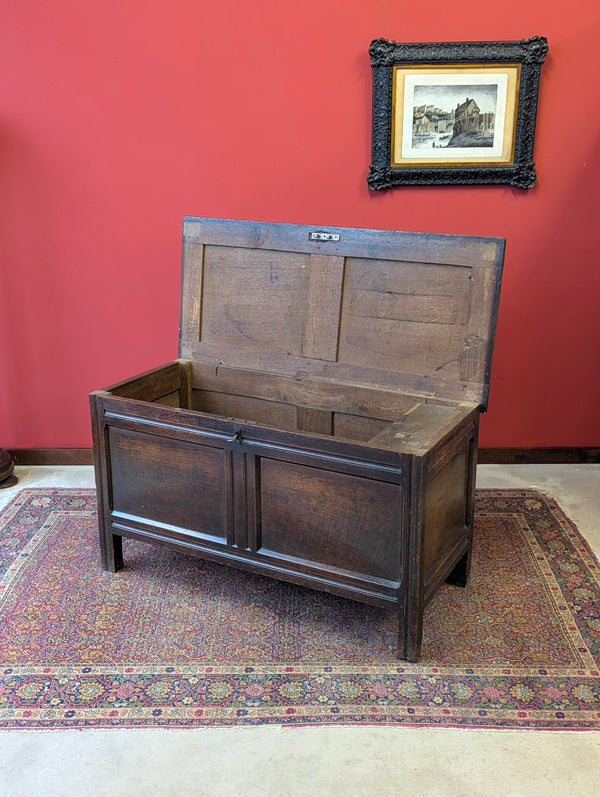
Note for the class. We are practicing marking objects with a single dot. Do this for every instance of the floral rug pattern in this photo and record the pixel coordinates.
(172, 640)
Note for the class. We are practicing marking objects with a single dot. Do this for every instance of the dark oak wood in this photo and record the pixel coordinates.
(321, 423)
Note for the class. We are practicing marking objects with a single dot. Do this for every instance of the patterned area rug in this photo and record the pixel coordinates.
(175, 641)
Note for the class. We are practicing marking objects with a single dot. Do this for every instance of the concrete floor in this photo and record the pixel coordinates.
(324, 762)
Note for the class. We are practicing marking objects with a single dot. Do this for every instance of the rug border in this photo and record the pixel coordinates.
(290, 717)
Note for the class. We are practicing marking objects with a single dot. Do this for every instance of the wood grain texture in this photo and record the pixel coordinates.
(192, 278)
(399, 310)
(304, 391)
(322, 322)
(298, 504)
(151, 385)
(354, 242)
(254, 299)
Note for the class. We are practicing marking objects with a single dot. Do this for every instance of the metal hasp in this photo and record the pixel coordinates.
(323, 236)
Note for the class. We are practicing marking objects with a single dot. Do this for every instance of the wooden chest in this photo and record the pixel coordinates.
(321, 423)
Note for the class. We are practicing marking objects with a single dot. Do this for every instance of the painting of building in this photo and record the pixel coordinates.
(454, 116)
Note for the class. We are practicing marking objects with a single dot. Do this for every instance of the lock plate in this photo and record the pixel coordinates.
(323, 236)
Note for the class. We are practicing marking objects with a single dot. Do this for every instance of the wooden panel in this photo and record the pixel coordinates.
(420, 283)
(185, 392)
(241, 520)
(342, 374)
(372, 343)
(404, 317)
(255, 299)
(168, 384)
(446, 511)
(408, 317)
(386, 304)
(302, 391)
(168, 481)
(354, 427)
(422, 428)
(353, 242)
(314, 421)
(170, 400)
(151, 385)
(191, 292)
(479, 332)
(331, 518)
(246, 408)
(323, 314)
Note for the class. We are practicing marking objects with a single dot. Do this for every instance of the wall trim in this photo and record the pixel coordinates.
(52, 456)
(538, 456)
(486, 456)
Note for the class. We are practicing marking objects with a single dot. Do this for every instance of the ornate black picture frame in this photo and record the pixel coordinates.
(454, 112)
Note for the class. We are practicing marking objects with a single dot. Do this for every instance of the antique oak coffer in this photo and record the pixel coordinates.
(321, 423)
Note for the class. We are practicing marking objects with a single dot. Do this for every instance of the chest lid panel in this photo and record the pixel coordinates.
(409, 311)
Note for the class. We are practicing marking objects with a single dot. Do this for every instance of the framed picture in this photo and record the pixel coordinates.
(454, 112)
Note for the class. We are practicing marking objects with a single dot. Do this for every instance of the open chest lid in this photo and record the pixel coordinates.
(414, 312)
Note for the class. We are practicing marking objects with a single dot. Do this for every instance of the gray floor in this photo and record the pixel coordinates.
(274, 762)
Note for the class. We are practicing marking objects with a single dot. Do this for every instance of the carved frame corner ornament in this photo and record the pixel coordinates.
(415, 141)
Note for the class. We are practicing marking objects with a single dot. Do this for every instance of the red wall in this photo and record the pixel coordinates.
(118, 118)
